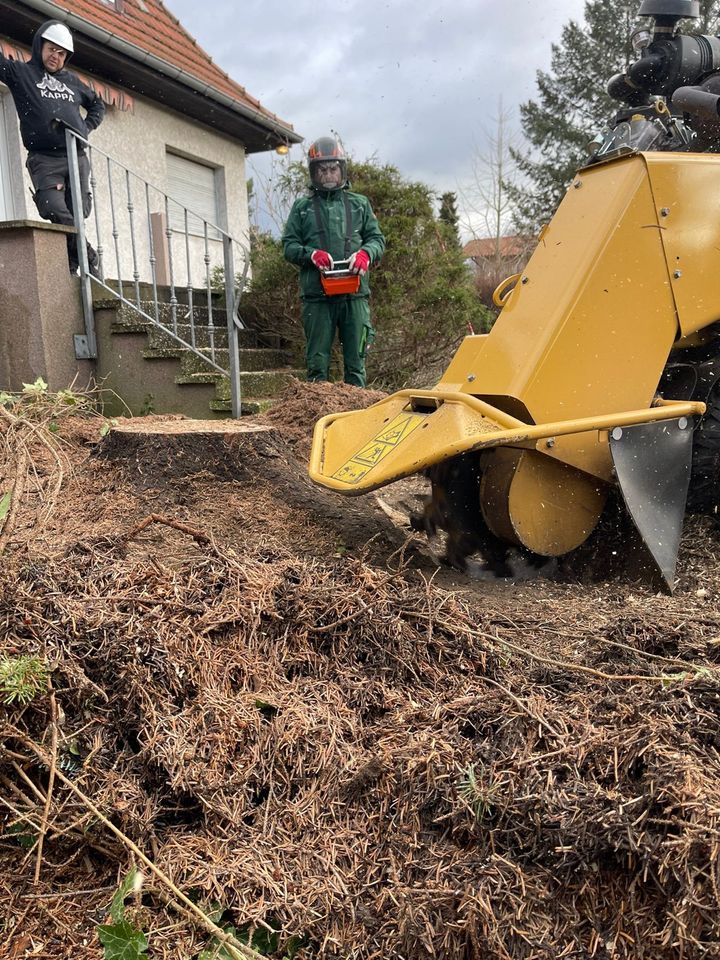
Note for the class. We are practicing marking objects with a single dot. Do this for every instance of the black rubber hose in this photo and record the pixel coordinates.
(698, 102)
(621, 88)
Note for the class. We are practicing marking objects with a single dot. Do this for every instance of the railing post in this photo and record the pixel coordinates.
(231, 306)
(85, 345)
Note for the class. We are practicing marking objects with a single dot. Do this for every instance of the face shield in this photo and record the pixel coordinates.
(327, 164)
(327, 174)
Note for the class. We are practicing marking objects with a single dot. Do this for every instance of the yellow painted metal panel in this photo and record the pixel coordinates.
(580, 344)
(365, 449)
(592, 325)
(687, 195)
(389, 440)
(546, 506)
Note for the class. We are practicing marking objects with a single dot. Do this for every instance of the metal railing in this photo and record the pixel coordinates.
(138, 216)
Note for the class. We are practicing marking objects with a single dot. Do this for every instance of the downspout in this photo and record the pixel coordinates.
(55, 12)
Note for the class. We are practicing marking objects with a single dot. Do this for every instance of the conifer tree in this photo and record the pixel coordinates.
(572, 103)
(448, 215)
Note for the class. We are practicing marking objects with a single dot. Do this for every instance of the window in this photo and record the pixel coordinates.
(194, 186)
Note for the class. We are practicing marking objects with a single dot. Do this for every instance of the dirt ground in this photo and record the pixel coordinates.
(333, 744)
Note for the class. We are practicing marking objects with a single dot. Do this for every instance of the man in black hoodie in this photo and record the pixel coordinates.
(47, 99)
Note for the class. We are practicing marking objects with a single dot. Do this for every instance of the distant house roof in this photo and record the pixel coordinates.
(507, 247)
(141, 45)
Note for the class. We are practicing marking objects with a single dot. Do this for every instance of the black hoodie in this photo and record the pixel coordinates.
(41, 98)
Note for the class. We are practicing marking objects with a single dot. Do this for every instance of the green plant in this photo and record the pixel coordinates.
(266, 942)
(71, 399)
(22, 835)
(37, 389)
(107, 426)
(120, 939)
(148, 406)
(5, 502)
(21, 679)
(38, 404)
(477, 796)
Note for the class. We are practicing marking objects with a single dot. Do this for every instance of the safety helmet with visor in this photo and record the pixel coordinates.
(327, 164)
(59, 34)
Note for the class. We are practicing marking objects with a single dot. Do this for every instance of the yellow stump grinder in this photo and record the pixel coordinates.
(602, 369)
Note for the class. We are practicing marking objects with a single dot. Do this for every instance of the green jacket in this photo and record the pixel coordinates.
(301, 236)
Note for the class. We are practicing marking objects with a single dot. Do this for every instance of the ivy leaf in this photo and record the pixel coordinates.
(26, 840)
(117, 904)
(123, 942)
(35, 389)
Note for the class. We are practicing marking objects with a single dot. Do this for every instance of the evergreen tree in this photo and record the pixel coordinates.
(448, 215)
(572, 104)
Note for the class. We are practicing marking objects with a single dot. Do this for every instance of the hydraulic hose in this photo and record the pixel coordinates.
(698, 102)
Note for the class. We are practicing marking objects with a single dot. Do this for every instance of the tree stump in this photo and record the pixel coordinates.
(159, 451)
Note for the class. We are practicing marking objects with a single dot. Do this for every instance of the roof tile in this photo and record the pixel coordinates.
(150, 26)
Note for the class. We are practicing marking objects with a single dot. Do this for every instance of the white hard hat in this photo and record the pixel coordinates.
(59, 34)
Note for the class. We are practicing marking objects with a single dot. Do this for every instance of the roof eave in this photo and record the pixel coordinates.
(255, 129)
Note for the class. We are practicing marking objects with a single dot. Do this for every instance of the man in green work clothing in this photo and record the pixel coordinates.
(333, 224)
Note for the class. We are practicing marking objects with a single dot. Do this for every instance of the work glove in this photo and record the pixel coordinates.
(322, 260)
(360, 262)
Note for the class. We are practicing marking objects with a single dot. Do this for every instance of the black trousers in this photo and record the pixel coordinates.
(50, 177)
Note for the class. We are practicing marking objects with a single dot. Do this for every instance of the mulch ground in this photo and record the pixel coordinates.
(275, 702)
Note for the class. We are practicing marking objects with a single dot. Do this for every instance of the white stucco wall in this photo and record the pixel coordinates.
(140, 141)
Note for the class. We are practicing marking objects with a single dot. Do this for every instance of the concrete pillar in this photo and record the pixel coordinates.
(40, 308)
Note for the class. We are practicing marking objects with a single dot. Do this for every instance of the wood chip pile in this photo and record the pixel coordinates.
(373, 763)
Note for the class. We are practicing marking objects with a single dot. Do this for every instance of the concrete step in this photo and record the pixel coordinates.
(248, 407)
(127, 316)
(204, 336)
(253, 385)
(158, 374)
(164, 294)
(253, 360)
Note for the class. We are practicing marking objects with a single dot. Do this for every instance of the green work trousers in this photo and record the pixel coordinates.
(350, 316)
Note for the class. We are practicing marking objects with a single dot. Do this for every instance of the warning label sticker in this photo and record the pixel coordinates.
(378, 448)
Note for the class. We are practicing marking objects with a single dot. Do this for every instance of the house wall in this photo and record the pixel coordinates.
(140, 141)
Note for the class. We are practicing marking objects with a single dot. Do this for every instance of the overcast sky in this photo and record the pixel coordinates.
(415, 83)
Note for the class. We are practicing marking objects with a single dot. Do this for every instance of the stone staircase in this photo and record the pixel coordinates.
(142, 370)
